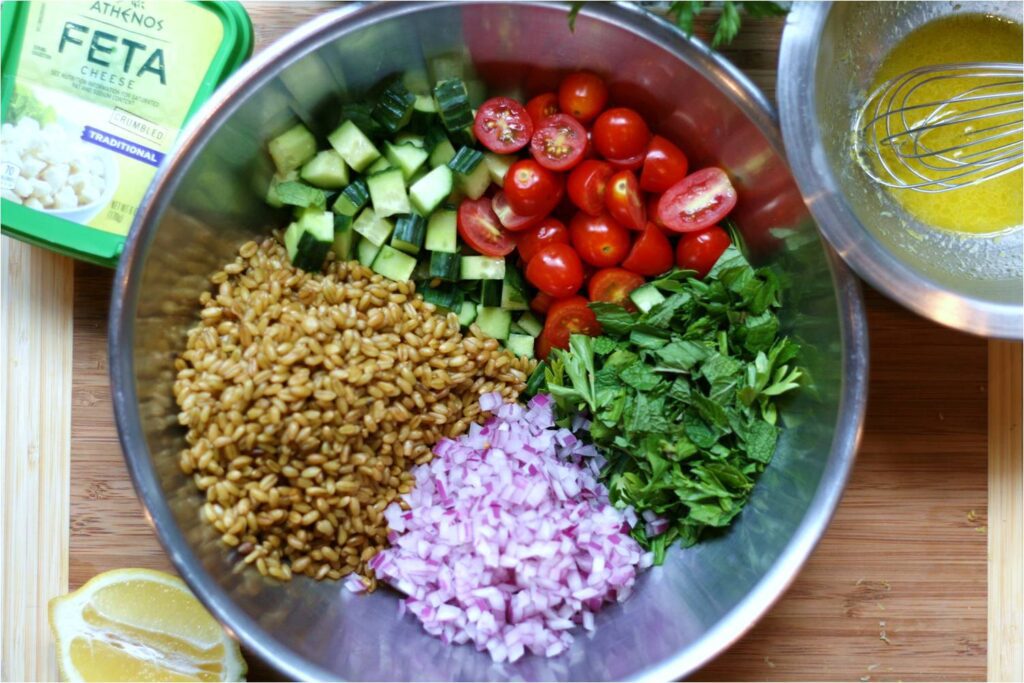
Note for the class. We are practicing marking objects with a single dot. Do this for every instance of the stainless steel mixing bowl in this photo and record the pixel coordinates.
(208, 199)
(829, 55)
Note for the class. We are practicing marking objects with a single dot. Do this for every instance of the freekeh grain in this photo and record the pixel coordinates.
(307, 399)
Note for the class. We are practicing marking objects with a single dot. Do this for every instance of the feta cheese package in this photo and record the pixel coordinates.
(94, 95)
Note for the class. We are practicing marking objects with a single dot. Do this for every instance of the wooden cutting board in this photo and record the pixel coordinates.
(897, 588)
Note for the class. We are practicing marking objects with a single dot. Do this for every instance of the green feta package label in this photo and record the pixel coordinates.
(102, 90)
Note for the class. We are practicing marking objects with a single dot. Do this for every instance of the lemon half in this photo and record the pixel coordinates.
(140, 625)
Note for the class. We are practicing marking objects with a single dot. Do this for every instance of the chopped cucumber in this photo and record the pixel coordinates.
(394, 107)
(408, 235)
(498, 165)
(292, 148)
(465, 160)
(482, 268)
(406, 157)
(490, 292)
(453, 104)
(372, 227)
(381, 164)
(366, 252)
(315, 239)
(393, 264)
(530, 325)
(273, 198)
(425, 104)
(353, 146)
(494, 322)
(344, 237)
(291, 240)
(352, 198)
(520, 344)
(476, 182)
(646, 297)
(442, 232)
(429, 191)
(513, 291)
(446, 297)
(467, 314)
(297, 193)
(443, 153)
(327, 170)
(387, 193)
(444, 266)
(409, 139)
(361, 114)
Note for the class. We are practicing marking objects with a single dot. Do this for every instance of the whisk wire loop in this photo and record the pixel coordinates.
(907, 138)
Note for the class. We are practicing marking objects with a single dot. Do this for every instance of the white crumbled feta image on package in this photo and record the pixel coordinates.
(46, 167)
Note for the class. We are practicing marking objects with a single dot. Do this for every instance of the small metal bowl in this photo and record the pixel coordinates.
(829, 55)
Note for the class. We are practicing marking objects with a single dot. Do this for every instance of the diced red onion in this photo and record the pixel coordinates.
(510, 541)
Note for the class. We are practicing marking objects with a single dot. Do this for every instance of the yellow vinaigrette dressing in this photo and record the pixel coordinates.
(989, 206)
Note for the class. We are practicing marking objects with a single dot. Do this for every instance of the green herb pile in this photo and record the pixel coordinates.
(682, 398)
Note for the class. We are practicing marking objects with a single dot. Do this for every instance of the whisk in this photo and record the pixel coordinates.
(939, 128)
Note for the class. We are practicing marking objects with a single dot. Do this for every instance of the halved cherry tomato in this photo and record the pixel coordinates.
(652, 209)
(530, 188)
(624, 201)
(664, 166)
(541, 303)
(548, 231)
(651, 253)
(556, 270)
(541, 107)
(566, 317)
(613, 286)
(502, 125)
(587, 183)
(508, 217)
(621, 134)
(700, 251)
(582, 95)
(699, 200)
(480, 229)
(631, 164)
(559, 142)
(599, 240)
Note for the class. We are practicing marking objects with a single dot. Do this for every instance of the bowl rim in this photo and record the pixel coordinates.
(256, 73)
(801, 131)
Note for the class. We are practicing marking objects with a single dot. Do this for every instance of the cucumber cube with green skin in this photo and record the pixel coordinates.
(430, 190)
(646, 297)
(482, 268)
(292, 148)
(442, 232)
(498, 165)
(354, 147)
(494, 322)
(467, 314)
(273, 199)
(373, 228)
(393, 264)
(387, 192)
(366, 252)
(327, 170)
(520, 345)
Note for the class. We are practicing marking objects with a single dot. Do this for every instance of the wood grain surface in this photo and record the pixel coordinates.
(34, 466)
(895, 591)
(1006, 513)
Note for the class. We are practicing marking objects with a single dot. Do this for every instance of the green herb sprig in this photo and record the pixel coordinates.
(684, 12)
(683, 398)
